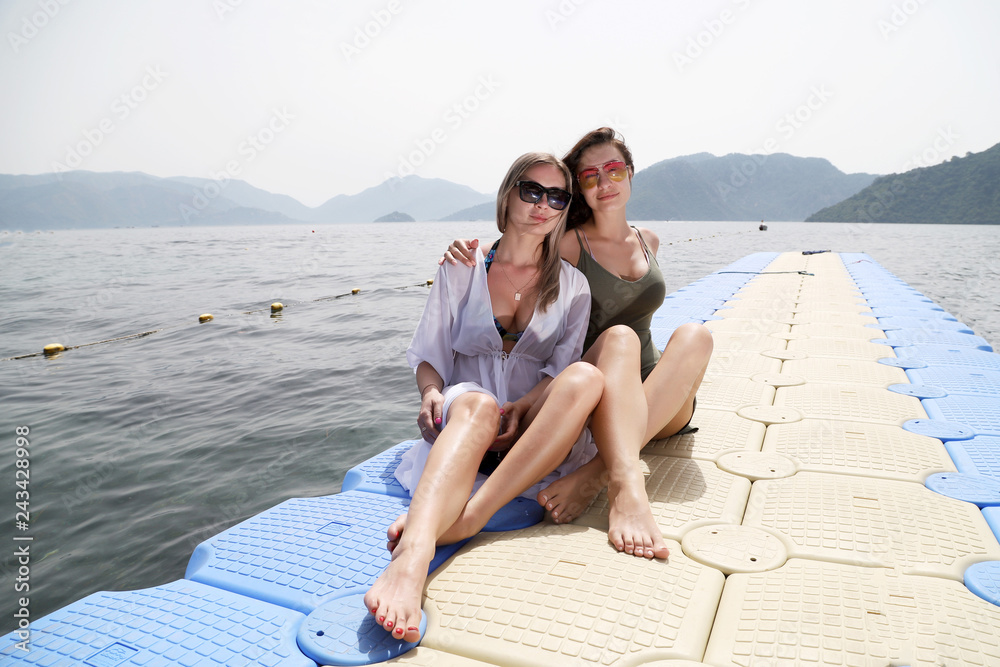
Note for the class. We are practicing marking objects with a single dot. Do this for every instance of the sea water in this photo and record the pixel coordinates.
(143, 446)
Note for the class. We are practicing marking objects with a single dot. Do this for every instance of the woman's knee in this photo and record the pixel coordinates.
(475, 407)
(619, 339)
(693, 338)
(583, 380)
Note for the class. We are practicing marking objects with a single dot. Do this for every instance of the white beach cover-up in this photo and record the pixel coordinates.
(457, 336)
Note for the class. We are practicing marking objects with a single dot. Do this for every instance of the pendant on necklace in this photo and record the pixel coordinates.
(517, 296)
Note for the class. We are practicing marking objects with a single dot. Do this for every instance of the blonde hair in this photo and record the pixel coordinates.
(548, 282)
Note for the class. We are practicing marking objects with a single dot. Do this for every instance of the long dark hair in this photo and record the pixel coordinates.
(548, 281)
(579, 211)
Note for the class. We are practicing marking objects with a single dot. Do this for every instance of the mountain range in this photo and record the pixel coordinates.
(963, 190)
(702, 186)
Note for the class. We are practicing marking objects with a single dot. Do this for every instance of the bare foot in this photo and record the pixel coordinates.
(395, 532)
(395, 597)
(632, 528)
(567, 497)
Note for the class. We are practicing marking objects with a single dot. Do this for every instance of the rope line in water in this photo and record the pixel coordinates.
(277, 307)
(274, 308)
(770, 273)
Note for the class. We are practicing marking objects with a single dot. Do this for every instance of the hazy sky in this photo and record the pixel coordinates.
(315, 99)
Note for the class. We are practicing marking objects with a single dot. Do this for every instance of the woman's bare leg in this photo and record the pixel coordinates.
(667, 396)
(554, 424)
(675, 380)
(438, 500)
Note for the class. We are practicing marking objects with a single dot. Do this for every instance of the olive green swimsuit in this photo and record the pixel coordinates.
(616, 301)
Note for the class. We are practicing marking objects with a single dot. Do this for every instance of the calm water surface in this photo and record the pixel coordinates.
(144, 447)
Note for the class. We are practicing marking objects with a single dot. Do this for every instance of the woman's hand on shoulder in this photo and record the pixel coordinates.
(461, 250)
(651, 239)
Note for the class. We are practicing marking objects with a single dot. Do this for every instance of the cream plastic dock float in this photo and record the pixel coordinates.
(839, 505)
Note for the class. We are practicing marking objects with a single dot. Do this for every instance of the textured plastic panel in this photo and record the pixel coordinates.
(683, 493)
(746, 313)
(911, 311)
(823, 317)
(748, 342)
(717, 432)
(376, 474)
(741, 364)
(905, 364)
(840, 348)
(983, 579)
(917, 337)
(951, 355)
(824, 614)
(941, 430)
(571, 599)
(980, 413)
(868, 450)
(845, 372)
(749, 326)
(661, 330)
(304, 551)
(872, 522)
(992, 515)
(852, 306)
(978, 456)
(923, 324)
(343, 632)
(917, 390)
(833, 330)
(960, 381)
(782, 302)
(735, 548)
(180, 623)
(429, 657)
(861, 403)
(975, 489)
(730, 393)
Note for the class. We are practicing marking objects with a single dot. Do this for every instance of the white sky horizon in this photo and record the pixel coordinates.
(314, 99)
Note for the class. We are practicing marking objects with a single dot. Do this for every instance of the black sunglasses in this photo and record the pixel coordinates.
(532, 193)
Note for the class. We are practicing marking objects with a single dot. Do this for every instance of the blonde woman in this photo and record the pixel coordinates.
(504, 397)
(648, 393)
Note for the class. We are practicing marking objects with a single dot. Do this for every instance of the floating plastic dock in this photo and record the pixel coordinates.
(839, 505)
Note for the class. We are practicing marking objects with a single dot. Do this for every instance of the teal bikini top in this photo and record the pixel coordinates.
(504, 334)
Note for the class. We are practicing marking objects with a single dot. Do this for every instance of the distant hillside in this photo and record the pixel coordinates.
(485, 211)
(87, 200)
(395, 216)
(739, 187)
(960, 191)
(422, 198)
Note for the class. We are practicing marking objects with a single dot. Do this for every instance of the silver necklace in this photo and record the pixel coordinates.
(517, 290)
